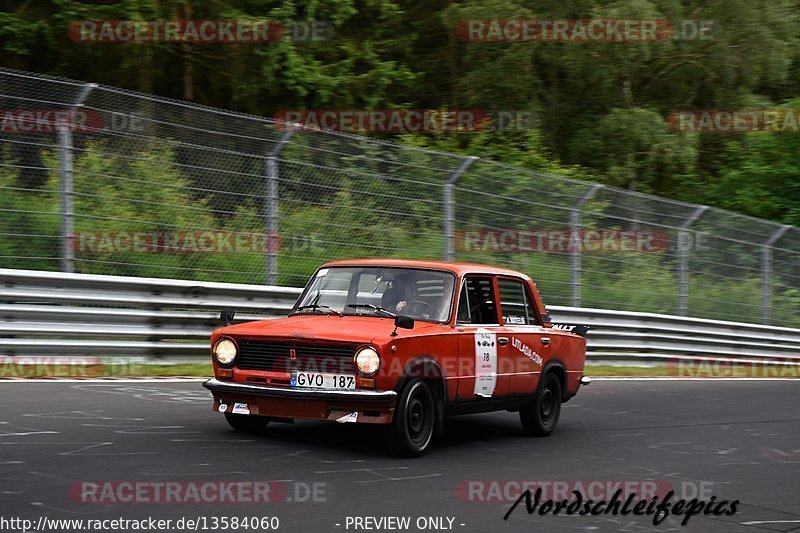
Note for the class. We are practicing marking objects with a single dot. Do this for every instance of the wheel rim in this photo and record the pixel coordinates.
(417, 418)
(548, 404)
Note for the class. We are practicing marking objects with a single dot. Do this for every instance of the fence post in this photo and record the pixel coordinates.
(272, 175)
(65, 169)
(766, 274)
(575, 255)
(449, 208)
(683, 260)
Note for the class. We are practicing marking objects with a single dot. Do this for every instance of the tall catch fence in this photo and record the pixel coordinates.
(100, 180)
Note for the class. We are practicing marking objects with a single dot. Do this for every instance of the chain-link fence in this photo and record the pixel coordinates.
(96, 179)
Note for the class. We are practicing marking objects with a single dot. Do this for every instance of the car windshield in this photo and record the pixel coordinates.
(374, 291)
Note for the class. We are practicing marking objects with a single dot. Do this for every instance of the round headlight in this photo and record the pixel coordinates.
(367, 361)
(225, 351)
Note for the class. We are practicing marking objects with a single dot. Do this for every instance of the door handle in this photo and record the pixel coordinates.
(502, 341)
(545, 340)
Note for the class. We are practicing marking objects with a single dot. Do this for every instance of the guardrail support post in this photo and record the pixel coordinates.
(683, 260)
(766, 274)
(575, 254)
(65, 168)
(272, 175)
(449, 208)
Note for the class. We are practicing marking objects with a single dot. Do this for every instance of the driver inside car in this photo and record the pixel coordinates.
(398, 294)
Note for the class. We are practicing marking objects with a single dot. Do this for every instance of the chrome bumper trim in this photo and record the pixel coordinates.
(585, 380)
(215, 385)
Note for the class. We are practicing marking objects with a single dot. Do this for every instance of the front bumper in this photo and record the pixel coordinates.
(376, 407)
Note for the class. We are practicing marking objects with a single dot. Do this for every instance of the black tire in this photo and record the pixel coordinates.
(411, 431)
(540, 418)
(247, 423)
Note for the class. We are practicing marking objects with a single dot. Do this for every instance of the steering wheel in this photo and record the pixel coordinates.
(430, 307)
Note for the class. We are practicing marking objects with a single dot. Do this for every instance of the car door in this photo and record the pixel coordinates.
(528, 343)
(483, 353)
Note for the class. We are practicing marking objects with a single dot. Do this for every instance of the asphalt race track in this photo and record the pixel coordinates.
(736, 439)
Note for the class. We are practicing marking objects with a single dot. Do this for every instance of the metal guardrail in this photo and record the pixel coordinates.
(625, 335)
(49, 313)
(55, 313)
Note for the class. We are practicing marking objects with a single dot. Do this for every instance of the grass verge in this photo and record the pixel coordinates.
(623, 371)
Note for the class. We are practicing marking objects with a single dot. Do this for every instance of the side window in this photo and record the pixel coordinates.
(515, 303)
(477, 303)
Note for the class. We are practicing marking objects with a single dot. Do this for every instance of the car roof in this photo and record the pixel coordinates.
(458, 268)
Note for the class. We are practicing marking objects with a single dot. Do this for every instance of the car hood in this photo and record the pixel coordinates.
(356, 329)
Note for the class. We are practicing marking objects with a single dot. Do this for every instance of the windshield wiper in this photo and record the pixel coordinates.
(316, 307)
(385, 312)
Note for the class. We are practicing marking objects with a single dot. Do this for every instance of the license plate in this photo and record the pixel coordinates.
(318, 380)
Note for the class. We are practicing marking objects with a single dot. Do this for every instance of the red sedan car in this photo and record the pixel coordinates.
(401, 344)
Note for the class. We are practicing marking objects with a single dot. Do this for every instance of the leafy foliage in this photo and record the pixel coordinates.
(600, 106)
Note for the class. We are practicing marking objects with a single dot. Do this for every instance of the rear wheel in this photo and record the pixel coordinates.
(247, 423)
(540, 418)
(410, 432)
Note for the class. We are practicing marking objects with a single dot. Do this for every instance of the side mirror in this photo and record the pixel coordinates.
(227, 316)
(405, 322)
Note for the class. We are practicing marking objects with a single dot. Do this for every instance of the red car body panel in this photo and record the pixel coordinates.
(444, 353)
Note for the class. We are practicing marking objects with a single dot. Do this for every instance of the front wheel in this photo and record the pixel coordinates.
(540, 418)
(412, 427)
(247, 423)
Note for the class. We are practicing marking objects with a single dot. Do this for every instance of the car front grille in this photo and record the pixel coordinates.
(276, 357)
